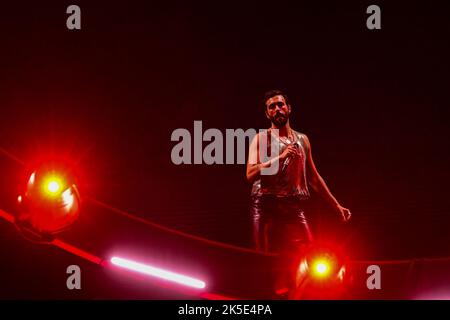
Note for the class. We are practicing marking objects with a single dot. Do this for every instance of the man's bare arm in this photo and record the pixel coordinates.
(254, 165)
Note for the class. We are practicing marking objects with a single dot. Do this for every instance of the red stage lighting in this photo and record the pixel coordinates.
(320, 275)
(51, 201)
(321, 268)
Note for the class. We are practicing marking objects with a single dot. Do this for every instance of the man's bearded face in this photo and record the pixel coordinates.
(278, 111)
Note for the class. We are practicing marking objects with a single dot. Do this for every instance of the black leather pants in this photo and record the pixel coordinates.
(279, 224)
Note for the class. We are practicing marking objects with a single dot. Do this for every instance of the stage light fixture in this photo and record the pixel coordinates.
(50, 202)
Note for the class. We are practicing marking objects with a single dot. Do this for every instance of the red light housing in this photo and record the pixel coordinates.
(320, 274)
(51, 201)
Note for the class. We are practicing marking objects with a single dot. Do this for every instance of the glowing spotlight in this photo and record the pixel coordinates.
(320, 275)
(50, 202)
(53, 186)
(157, 272)
(321, 268)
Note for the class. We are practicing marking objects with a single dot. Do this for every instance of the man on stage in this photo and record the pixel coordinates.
(280, 199)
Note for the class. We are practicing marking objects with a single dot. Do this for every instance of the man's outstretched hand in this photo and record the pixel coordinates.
(345, 213)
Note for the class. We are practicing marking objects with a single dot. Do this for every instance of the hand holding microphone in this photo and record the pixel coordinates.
(290, 152)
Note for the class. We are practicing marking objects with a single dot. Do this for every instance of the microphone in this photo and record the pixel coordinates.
(288, 159)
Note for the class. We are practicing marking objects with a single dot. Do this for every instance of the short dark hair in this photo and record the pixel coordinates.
(272, 93)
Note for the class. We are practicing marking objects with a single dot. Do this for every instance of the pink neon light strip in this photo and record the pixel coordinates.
(157, 272)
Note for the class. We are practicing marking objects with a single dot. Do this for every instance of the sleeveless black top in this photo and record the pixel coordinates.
(291, 181)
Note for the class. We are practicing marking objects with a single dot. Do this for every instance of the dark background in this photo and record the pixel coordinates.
(374, 104)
